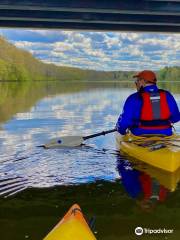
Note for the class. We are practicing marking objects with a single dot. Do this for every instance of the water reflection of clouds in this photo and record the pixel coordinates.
(67, 114)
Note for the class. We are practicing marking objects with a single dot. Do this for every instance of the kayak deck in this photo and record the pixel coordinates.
(73, 226)
(158, 151)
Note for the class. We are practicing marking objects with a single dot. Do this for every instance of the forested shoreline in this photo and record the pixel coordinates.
(20, 65)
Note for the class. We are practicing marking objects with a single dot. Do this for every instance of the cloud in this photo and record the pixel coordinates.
(99, 50)
(112, 41)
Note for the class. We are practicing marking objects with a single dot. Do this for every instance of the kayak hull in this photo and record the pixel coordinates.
(163, 153)
(72, 226)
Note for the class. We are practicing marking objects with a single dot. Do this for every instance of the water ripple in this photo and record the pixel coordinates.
(79, 113)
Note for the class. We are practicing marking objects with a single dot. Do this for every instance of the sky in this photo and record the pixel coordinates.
(107, 51)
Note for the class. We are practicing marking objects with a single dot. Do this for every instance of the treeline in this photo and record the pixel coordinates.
(17, 64)
(169, 74)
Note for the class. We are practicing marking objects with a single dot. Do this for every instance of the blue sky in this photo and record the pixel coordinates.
(107, 51)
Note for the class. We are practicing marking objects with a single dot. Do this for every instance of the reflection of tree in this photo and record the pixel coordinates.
(174, 87)
(19, 97)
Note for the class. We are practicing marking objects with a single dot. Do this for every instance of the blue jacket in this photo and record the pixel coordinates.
(132, 110)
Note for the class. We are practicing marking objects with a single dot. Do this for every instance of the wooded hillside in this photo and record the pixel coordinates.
(18, 64)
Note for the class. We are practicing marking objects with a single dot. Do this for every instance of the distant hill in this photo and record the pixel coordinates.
(18, 64)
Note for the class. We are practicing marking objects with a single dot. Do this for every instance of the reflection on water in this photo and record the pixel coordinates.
(109, 184)
(149, 185)
(76, 110)
(169, 180)
(140, 185)
(85, 112)
(12, 186)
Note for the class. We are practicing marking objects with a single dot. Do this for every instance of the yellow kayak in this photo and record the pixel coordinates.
(159, 151)
(73, 226)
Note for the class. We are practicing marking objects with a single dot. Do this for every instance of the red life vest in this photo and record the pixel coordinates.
(155, 112)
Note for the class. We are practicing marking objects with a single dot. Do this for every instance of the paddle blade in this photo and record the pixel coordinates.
(67, 141)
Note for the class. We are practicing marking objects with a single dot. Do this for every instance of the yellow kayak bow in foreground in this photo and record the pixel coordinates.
(73, 226)
(159, 151)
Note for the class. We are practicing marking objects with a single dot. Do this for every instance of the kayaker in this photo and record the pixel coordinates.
(150, 110)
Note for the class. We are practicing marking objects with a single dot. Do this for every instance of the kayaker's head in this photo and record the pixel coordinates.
(145, 78)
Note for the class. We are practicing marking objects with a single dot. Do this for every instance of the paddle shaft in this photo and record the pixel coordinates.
(99, 134)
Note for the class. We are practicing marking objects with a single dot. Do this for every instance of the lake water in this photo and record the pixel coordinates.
(31, 115)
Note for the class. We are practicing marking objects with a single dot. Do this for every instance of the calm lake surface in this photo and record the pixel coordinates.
(40, 185)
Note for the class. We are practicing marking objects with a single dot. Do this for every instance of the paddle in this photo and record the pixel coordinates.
(73, 141)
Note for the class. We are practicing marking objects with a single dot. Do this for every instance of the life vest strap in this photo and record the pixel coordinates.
(155, 127)
(155, 123)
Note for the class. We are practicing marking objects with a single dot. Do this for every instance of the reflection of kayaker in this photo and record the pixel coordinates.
(152, 189)
(141, 186)
(129, 178)
(150, 110)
